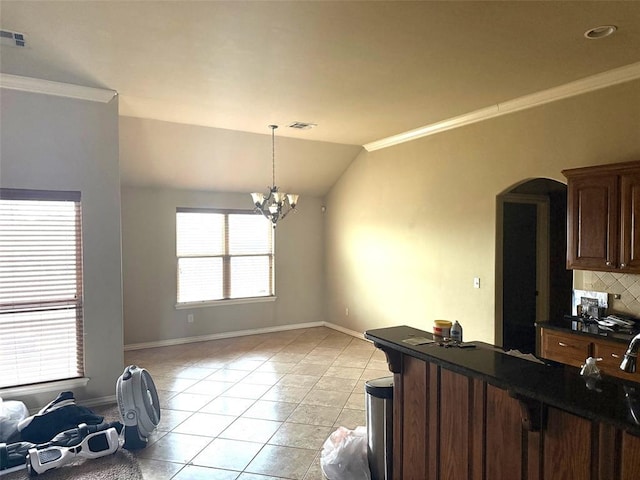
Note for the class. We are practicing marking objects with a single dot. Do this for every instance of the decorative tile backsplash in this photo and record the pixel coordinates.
(623, 284)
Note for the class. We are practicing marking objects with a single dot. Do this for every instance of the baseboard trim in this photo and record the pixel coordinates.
(241, 333)
(346, 331)
(219, 336)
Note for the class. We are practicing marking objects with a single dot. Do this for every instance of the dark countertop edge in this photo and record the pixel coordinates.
(512, 389)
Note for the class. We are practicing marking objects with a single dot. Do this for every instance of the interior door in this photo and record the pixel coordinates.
(520, 276)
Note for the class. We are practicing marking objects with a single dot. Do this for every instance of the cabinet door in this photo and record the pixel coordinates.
(565, 347)
(612, 354)
(593, 223)
(630, 230)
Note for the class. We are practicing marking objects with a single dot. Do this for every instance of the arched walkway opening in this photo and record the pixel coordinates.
(532, 281)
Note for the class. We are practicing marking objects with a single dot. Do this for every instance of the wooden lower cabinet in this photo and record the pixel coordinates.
(566, 348)
(612, 354)
(448, 426)
(574, 348)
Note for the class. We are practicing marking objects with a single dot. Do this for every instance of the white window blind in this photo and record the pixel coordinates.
(40, 287)
(223, 255)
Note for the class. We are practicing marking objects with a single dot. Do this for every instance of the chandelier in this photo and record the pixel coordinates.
(275, 204)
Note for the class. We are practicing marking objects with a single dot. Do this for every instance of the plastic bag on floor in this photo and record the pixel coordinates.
(11, 413)
(344, 455)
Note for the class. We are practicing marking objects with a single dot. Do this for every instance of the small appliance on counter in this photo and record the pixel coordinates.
(589, 314)
(588, 303)
(600, 326)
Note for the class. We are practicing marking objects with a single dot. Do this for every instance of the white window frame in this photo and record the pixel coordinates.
(40, 286)
(226, 257)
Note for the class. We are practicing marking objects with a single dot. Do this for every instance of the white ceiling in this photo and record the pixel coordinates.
(361, 70)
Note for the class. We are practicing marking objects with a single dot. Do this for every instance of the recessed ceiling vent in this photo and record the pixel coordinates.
(600, 32)
(302, 125)
(13, 39)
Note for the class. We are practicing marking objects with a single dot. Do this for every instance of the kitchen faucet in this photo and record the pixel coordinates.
(629, 361)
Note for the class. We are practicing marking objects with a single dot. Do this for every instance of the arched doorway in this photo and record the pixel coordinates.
(532, 282)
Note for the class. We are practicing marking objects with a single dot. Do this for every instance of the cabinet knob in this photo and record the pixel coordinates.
(622, 265)
(562, 344)
(608, 264)
(615, 355)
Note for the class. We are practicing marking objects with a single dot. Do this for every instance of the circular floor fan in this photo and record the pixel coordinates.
(139, 406)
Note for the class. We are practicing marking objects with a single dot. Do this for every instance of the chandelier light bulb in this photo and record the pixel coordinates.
(293, 199)
(258, 198)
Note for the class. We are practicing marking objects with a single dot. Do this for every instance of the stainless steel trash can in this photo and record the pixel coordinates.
(379, 410)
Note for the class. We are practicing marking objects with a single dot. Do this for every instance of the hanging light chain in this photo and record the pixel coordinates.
(273, 153)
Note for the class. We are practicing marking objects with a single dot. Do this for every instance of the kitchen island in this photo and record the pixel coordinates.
(478, 413)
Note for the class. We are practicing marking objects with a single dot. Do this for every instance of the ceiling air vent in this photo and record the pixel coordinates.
(302, 125)
(13, 39)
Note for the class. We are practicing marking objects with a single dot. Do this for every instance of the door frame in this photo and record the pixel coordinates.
(542, 257)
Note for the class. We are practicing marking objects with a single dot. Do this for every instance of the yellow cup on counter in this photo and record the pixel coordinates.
(442, 328)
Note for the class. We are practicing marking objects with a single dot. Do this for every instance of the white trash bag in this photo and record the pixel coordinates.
(11, 413)
(344, 455)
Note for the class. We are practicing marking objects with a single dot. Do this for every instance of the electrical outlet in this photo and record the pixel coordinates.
(346, 312)
(476, 282)
(190, 318)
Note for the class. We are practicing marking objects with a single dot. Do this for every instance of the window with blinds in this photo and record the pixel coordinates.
(40, 287)
(223, 255)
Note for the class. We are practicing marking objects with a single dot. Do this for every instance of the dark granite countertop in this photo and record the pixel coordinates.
(560, 386)
(571, 325)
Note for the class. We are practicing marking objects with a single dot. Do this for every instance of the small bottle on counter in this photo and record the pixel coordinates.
(456, 332)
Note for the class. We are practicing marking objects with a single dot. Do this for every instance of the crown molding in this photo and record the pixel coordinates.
(578, 87)
(58, 89)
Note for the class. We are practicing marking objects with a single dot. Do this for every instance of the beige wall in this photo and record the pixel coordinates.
(53, 143)
(408, 227)
(149, 269)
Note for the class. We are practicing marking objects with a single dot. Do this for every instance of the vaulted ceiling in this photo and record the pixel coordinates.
(360, 70)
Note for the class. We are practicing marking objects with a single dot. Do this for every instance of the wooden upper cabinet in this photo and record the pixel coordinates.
(602, 213)
(630, 216)
(592, 213)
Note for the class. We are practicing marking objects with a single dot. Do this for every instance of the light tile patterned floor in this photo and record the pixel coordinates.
(257, 407)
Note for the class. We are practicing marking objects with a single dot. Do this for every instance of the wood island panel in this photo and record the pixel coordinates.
(455, 420)
(432, 450)
(452, 424)
(414, 427)
(567, 446)
(504, 434)
(630, 457)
